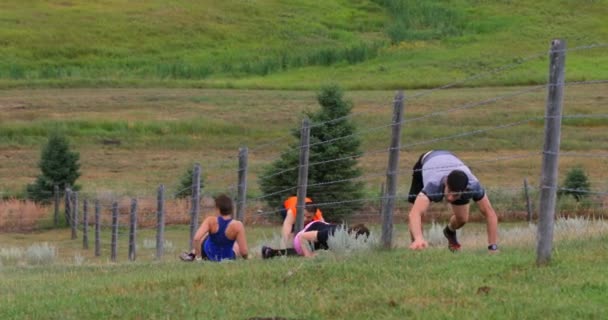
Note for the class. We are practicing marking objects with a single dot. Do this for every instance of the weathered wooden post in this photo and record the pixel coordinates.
(553, 122)
(85, 224)
(114, 244)
(74, 213)
(242, 187)
(392, 173)
(56, 203)
(68, 204)
(133, 230)
(196, 201)
(160, 222)
(528, 203)
(302, 174)
(97, 229)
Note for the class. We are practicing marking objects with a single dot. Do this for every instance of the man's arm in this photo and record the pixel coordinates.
(491, 219)
(415, 221)
(288, 223)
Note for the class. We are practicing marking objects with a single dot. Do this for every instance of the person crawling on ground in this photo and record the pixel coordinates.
(315, 232)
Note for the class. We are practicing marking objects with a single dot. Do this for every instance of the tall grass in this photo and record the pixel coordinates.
(423, 20)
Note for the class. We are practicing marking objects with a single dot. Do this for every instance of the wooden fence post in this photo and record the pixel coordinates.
(242, 186)
(85, 224)
(160, 222)
(74, 213)
(528, 203)
(133, 230)
(68, 204)
(56, 206)
(302, 174)
(114, 244)
(553, 121)
(382, 199)
(97, 229)
(392, 173)
(196, 201)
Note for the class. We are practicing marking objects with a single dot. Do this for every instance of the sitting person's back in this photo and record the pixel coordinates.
(219, 245)
(219, 237)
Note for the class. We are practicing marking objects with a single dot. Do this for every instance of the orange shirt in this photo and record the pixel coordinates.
(292, 202)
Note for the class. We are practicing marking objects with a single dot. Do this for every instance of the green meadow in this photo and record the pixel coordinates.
(363, 44)
(145, 89)
(434, 284)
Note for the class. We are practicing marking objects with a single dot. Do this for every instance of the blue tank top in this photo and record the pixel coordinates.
(218, 247)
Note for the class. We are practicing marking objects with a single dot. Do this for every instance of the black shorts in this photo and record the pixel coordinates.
(417, 183)
(324, 230)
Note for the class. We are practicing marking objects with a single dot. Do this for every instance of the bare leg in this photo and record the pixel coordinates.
(460, 216)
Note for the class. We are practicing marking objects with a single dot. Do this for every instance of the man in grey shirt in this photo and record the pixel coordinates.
(440, 174)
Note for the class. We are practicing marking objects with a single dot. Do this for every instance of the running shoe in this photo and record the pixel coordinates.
(453, 244)
(266, 252)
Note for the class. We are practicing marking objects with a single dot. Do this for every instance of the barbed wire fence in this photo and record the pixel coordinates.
(124, 217)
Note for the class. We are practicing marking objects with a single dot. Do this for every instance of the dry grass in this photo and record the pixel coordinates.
(520, 235)
(21, 215)
(141, 163)
(25, 216)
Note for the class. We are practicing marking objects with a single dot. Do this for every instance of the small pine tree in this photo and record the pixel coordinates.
(576, 183)
(330, 122)
(184, 188)
(59, 166)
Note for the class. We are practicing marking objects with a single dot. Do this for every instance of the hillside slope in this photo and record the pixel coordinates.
(286, 44)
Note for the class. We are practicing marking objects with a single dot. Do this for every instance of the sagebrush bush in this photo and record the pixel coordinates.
(40, 254)
(151, 244)
(11, 256)
(434, 235)
(341, 242)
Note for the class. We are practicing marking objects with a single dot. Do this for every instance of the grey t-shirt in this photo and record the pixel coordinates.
(436, 166)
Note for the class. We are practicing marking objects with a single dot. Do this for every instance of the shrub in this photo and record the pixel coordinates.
(184, 187)
(327, 124)
(576, 184)
(39, 254)
(59, 166)
(341, 242)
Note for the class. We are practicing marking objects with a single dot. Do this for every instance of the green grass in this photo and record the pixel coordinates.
(363, 44)
(434, 284)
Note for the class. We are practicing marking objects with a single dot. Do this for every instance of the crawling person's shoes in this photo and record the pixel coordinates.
(453, 244)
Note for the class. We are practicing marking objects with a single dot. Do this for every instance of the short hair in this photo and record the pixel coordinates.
(311, 207)
(458, 181)
(359, 229)
(224, 204)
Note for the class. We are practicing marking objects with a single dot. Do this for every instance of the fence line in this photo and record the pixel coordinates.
(556, 85)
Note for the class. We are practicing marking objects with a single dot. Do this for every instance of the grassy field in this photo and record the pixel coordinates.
(162, 132)
(434, 284)
(144, 89)
(363, 44)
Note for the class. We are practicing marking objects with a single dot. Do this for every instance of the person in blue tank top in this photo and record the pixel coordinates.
(219, 237)
(439, 174)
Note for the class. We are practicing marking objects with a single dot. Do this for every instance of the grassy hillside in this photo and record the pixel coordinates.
(281, 44)
(434, 284)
